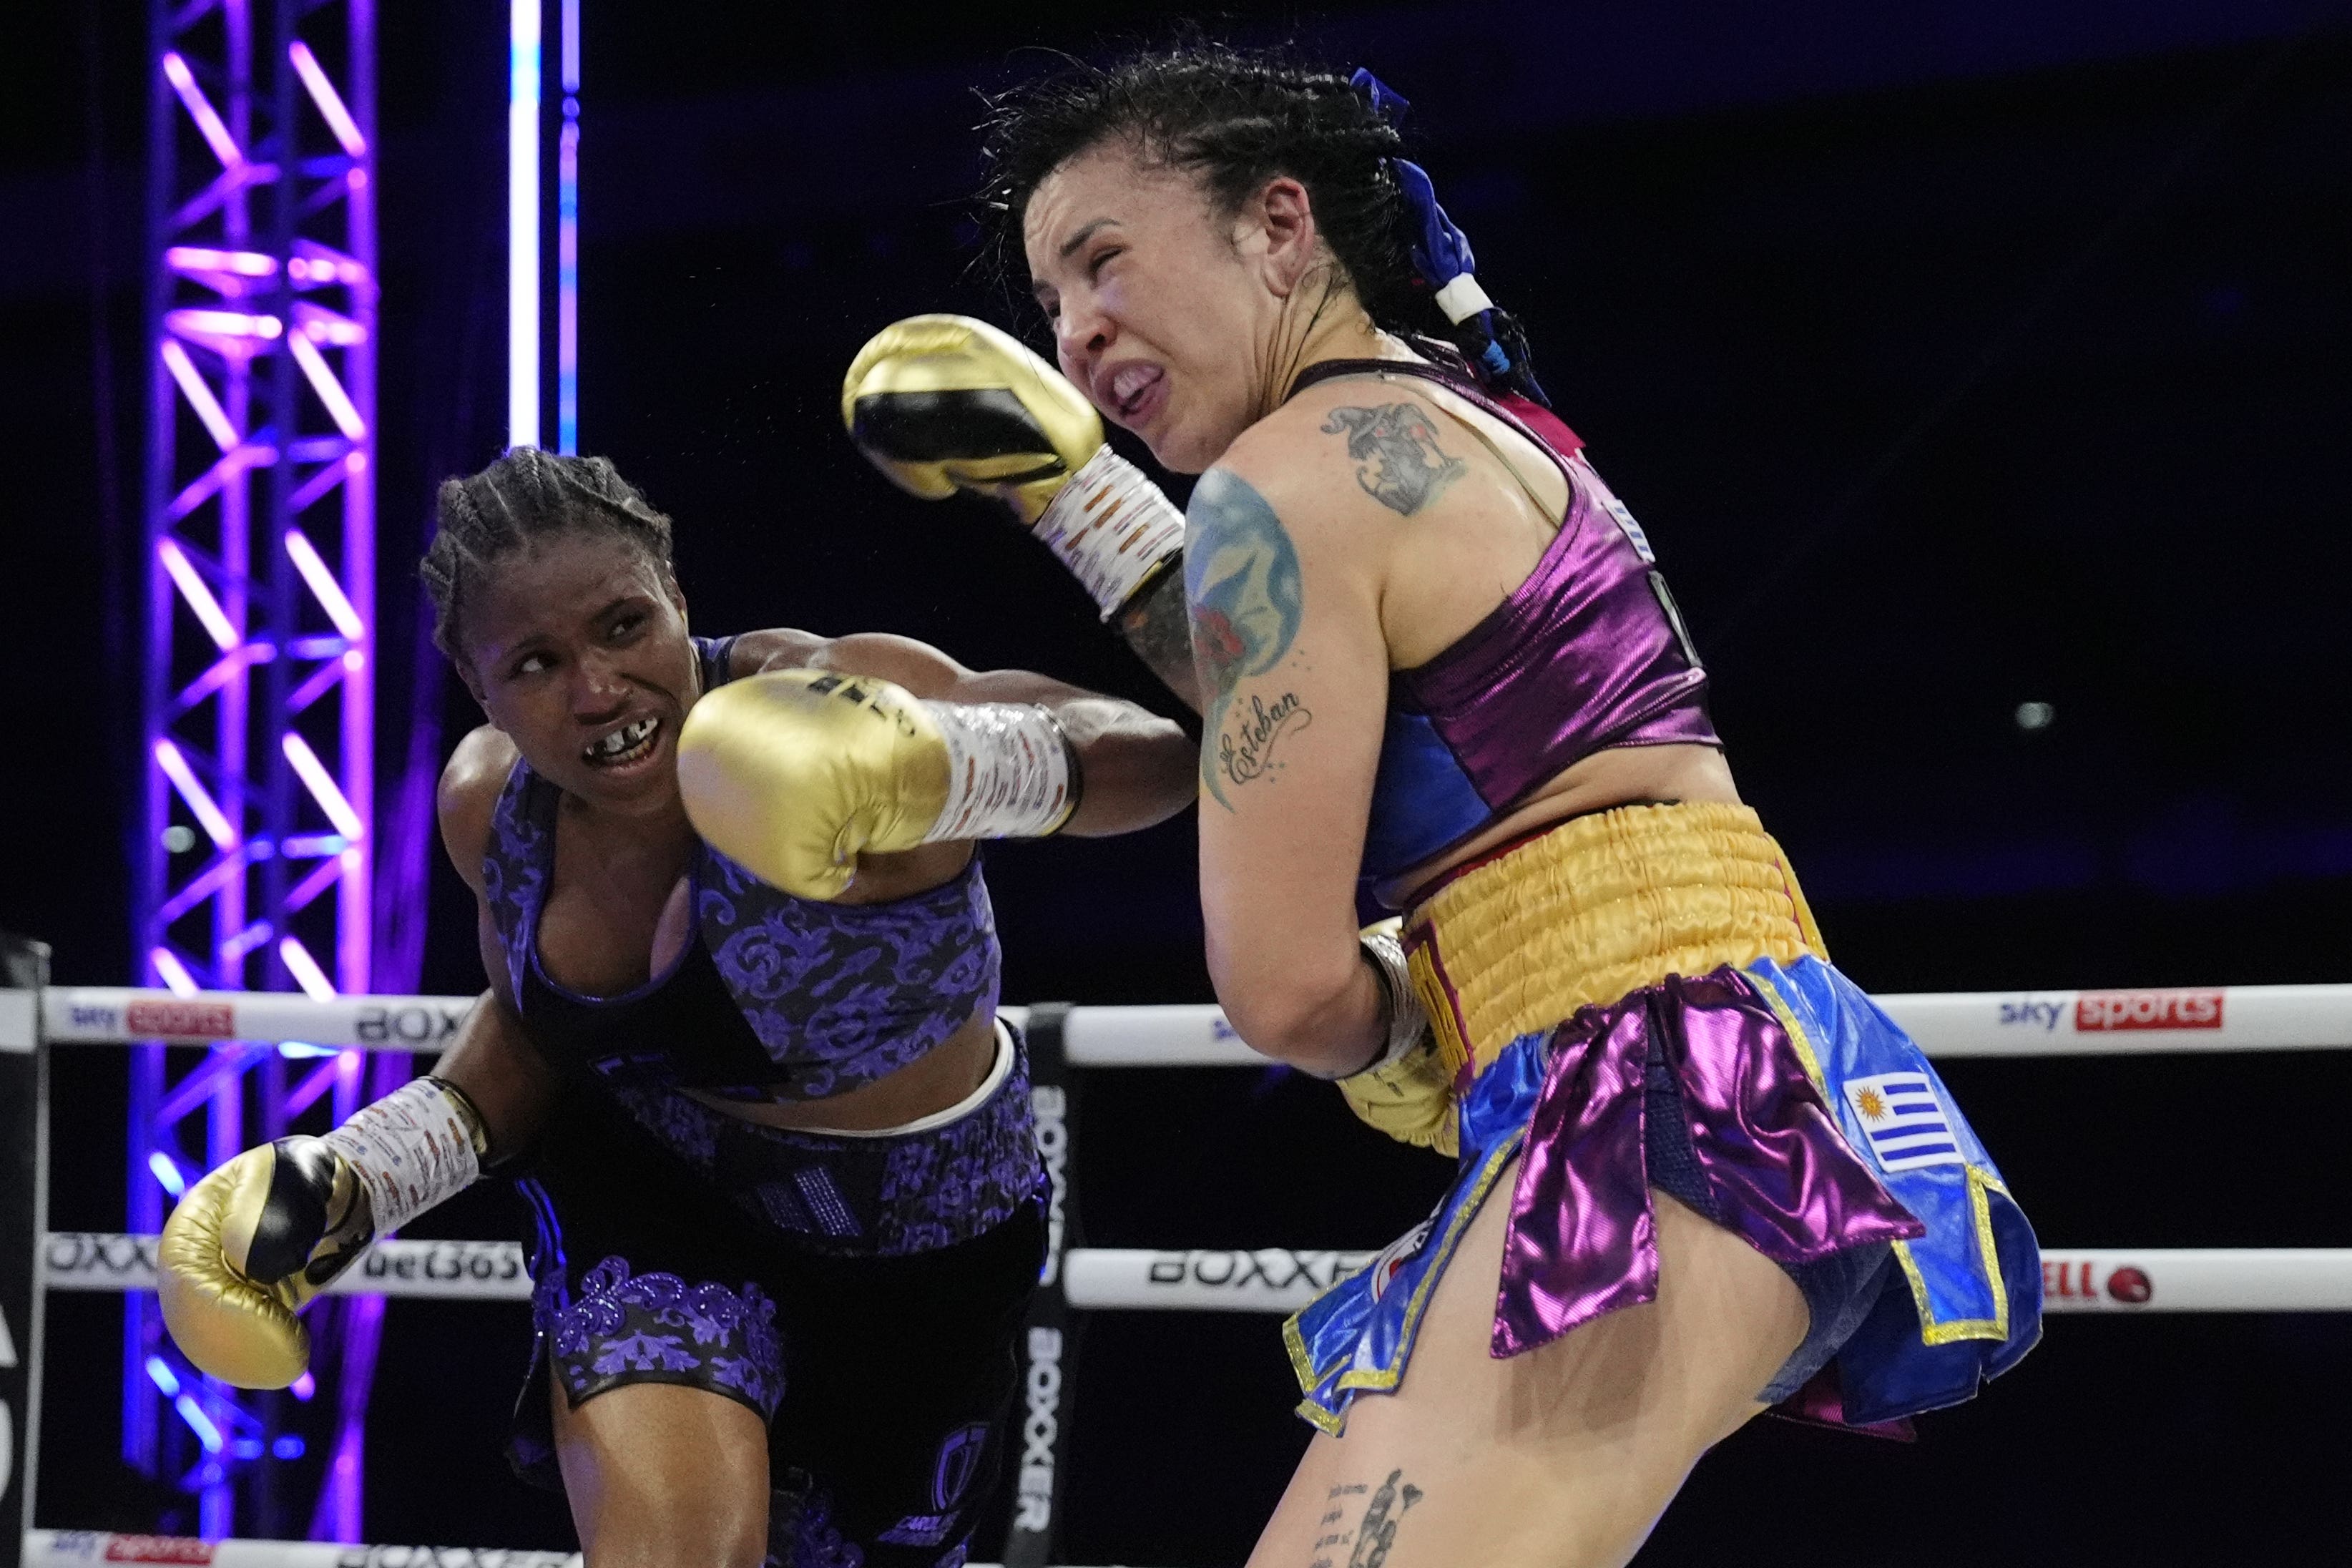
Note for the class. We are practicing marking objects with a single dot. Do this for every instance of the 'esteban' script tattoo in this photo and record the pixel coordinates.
(1376, 1532)
(1245, 747)
(1247, 597)
(1401, 464)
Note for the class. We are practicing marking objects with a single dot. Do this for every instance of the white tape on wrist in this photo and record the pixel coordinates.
(1408, 1019)
(1461, 299)
(1009, 772)
(1110, 526)
(411, 1149)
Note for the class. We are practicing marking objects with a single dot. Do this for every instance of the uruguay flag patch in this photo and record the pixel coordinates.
(1904, 1121)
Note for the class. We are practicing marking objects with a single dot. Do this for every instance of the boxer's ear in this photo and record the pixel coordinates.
(1283, 215)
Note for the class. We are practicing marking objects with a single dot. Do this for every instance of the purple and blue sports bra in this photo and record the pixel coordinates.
(1587, 653)
(774, 997)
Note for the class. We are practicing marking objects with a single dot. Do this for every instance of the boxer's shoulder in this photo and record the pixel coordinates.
(777, 647)
(918, 666)
(468, 798)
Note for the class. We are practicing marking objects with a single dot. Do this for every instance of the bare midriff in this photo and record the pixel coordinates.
(1621, 775)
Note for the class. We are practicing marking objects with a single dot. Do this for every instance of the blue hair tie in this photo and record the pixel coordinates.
(1442, 255)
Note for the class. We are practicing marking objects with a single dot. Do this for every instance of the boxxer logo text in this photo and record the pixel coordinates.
(1270, 1268)
(410, 1026)
(1035, 1512)
(79, 1253)
(1051, 1106)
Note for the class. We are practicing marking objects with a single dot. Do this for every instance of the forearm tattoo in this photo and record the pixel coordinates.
(1247, 597)
(1400, 463)
(1157, 627)
(1375, 1530)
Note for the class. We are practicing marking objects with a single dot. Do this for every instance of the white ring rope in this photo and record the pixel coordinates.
(81, 1548)
(434, 1270)
(1945, 1024)
(1283, 1279)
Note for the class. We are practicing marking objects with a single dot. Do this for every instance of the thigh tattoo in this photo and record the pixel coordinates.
(1375, 1530)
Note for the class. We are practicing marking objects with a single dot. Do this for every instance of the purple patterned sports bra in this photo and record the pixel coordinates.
(774, 997)
(1587, 653)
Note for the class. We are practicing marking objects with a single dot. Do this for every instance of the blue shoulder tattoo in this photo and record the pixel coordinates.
(1247, 597)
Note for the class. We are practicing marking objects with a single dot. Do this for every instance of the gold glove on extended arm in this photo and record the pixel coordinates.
(255, 1240)
(943, 403)
(1407, 1090)
(795, 773)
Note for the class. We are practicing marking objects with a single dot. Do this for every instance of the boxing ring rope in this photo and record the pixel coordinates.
(80, 1548)
(1945, 1024)
(1284, 1279)
(1263, 1280)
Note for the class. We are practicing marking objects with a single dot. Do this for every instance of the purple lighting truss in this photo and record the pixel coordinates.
(257, 847)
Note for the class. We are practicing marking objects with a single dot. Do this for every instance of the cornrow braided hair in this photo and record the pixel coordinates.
(1234, 118)
(524, 497)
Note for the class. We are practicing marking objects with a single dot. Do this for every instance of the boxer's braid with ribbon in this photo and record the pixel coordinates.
(1489, 339)
(1236, 119)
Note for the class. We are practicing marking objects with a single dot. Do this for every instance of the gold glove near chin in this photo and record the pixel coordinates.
(794, 773)
(943, 404)
(255, 1240)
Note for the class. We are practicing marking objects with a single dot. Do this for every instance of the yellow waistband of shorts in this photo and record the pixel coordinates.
(1593, 909)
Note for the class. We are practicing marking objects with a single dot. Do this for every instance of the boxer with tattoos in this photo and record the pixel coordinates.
(1698, 1174)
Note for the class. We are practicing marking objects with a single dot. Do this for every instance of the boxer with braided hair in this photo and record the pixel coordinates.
(740, 1040)
(1697, 1174)
(527, 496)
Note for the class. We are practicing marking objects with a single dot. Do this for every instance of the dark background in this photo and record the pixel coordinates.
(1955, 356)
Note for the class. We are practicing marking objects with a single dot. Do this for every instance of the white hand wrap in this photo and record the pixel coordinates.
(411, 1149)
(1011, 772)
(1110, 526)
(1408, 1019)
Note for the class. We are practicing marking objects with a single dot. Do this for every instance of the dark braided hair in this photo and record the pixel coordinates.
(1234, 118)
(524, 497)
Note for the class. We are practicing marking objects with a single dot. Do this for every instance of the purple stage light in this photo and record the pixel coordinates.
(261, 536)
(328, 101)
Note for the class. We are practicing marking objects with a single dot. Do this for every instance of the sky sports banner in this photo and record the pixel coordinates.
(23, 1179)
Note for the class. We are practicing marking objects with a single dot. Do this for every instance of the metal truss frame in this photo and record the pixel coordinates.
(256, 855)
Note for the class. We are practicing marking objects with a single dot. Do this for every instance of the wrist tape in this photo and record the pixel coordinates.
(1408, 1019)
(1011, 772)
(415, 1147)
(1111, 527)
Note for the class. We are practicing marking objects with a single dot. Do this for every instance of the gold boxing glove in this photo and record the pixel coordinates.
(1408, 1092)
(943, 404)
(247, 1247)
(793, 774)
(253, 1242)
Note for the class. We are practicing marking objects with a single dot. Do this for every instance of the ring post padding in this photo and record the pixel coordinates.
(24, 1214)
(1049, 1339)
